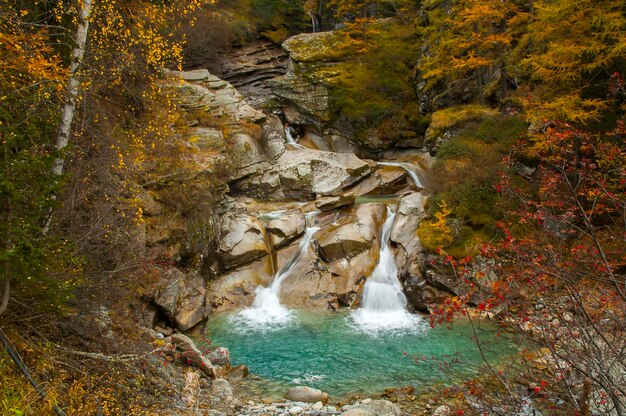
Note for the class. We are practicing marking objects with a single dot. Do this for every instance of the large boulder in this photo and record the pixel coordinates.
(202, 91)
(384, 180)
(330, 203)
(304, 174)
(311, 172)
(236, 288)
(221, 391)
(354, 236)
(305, 394)
(404, 233)
(241, 241)
(285, 229)
(181, 297)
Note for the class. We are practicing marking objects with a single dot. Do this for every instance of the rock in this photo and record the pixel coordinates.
(350, 275)
(287, 228)
(238, 373)
(222, 390)
(385, 180)
(148, 205)
(189, 352)
(241, 240)
(205, 138)
(202, 91)
(404, 233)
(310, 172)
(296, 410)
(181, 297)
(273, 138)
(219, 356)
(305, 394)
(420, 294)
(303, 174)
(236, 287)
(358, 412)
(375, 407)
(317, 406)
(449, 118)
(251, 66)
(347, 240)
(330, 203)
(442, 411)
(191, 76)
(314, 47)
(409, 214)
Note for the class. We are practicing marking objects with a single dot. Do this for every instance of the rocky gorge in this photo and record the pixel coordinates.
(271, 191)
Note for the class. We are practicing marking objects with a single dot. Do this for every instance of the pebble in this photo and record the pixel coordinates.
(296, 410)
(318, 406)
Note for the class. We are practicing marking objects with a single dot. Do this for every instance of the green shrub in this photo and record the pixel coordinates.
(466, 172)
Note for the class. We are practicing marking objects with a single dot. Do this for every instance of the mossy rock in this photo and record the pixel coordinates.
(452, 117)
(315, 47)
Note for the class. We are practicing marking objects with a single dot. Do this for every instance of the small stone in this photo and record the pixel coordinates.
(296, 410)
(317, 406)
(305, 394)
(442, 411)
(368, 400)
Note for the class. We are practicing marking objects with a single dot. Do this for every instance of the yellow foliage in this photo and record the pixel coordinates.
(450, 117)
(437, 233)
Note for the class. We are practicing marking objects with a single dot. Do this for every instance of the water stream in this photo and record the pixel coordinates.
(384, 304)
(266, 310)
(410, 168)
(289, 139)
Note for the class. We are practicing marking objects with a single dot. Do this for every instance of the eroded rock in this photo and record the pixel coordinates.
(181, 297)
(241, 240)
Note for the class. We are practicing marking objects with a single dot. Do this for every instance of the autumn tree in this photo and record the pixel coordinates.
(31, 87)
(470, 38)
(570, 50)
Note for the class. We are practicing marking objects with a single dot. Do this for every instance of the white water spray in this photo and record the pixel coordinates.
(410, 168)
(384, 304)
(289, 139)
(266, 309)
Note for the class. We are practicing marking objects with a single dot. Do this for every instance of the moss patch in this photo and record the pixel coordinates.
(465, 175)
(451, 117)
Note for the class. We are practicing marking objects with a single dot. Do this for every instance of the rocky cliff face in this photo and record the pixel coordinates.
(216, 258)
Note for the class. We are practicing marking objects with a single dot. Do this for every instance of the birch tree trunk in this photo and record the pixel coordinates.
(73, 88)
(73, 85)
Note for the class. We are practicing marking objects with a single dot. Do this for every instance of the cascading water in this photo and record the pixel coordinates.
(290, 140)
(384, 304)
(266, 309)
(410, 169)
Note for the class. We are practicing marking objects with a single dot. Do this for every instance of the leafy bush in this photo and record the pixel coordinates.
(465, 174)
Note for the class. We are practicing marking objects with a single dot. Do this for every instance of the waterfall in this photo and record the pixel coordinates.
(266, 308)
(411, 169)
(384, 304)
(290, 140)
(313, 21)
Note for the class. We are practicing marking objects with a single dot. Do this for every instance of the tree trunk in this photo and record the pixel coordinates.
(5, 294)
(73, 86)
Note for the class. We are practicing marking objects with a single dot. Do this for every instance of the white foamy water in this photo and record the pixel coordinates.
(290, 140)
(266, 310)
(411, 169)
(384, 303)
